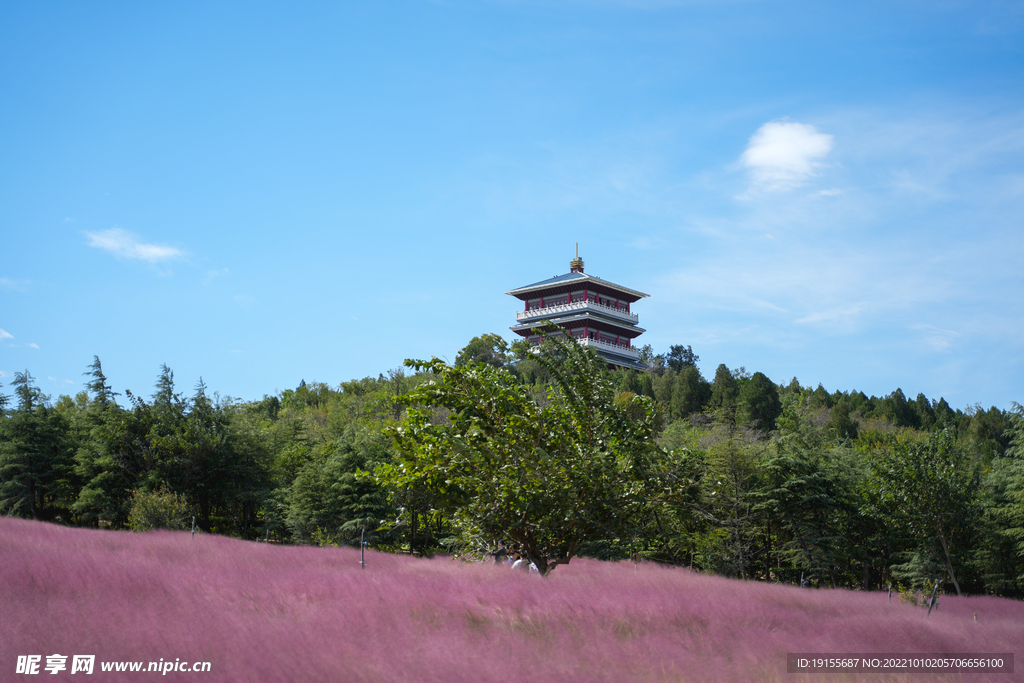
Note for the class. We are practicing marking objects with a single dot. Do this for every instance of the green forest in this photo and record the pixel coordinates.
(552, 454)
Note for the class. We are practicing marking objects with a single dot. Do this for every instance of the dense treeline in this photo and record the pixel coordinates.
(766, 481)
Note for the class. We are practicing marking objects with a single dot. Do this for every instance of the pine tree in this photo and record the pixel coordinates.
(34, 452)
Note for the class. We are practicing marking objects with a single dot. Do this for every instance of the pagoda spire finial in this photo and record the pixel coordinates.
(576, 265)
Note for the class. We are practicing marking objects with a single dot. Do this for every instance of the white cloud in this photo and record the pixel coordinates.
(837, 314)
(783, 154)
(16, 285)
(212, 274)
(33, 345)
(937, 338)
(124, 244)
(4, 334)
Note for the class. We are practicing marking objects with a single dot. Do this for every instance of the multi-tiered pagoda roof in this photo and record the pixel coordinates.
(595, 312)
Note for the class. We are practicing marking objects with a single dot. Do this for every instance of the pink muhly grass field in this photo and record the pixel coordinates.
(262, 612)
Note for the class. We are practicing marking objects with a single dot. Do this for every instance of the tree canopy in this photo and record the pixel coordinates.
(553, 453)
(931, 486)
(546, 473)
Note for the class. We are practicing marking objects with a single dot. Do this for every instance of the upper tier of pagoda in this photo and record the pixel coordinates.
(594, 311)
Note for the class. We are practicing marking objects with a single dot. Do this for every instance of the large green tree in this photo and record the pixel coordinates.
(690, 392)
(805, 499)
(761, 402)
(547, 474)
(487, 348)
(679, 357)
(930, 486)
(329, 497)
(1010, 511)
(35, 453)
(728, 504)
(725, 390)
(105, 491)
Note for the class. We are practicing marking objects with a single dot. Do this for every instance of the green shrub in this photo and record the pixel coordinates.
(919, 594)
(161, 509)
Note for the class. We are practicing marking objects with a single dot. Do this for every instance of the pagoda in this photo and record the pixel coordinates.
(594, 311)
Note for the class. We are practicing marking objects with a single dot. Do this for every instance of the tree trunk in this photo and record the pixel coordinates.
(205, 510)
(949, 563)
(412, 532)
(32, 500)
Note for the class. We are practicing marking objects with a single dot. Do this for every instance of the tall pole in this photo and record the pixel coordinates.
(362, 547)
(931, 603)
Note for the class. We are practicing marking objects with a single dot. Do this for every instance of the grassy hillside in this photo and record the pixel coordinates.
(262, 612)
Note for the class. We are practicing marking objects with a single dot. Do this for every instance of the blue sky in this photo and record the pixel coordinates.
(258, 194)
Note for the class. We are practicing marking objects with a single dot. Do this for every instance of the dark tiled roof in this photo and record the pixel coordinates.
(556, 279)
(562, 280)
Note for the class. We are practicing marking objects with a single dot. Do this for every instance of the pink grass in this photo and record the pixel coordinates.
(262, 612)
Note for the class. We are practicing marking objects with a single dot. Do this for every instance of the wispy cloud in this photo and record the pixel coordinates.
(837, 314)
(15, 285)
(782, 155)
(937, 338)
(124, 244)
(4, 334)
(782, 285)
(211, 275)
